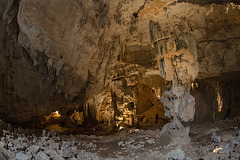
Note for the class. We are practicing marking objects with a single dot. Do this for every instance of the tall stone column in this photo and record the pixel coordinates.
(176, 55)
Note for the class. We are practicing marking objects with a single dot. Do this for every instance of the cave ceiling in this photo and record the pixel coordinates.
(56, 53)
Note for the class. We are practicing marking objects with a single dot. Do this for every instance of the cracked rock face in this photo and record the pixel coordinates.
(100, 54)
(177, 61)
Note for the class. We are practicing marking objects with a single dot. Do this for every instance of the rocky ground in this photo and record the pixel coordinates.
(221, 137)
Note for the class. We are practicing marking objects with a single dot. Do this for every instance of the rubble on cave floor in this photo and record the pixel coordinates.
(219, 140)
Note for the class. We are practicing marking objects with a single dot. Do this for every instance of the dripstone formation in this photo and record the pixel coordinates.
(103, 58)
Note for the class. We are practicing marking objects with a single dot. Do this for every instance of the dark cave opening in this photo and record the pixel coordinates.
(214, 97)
(217, 94)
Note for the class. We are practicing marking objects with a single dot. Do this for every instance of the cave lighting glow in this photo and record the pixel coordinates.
(217, 149)
(196, 85)
(56, 114)
(219, 100)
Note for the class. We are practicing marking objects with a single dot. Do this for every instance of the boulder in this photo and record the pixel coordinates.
(53, 154)
(210, 156)
(34, 149)
(44, 133)
(176, 154)
(92, 145)
(87, 155)
(54, 146)
(22, 155)
(42, 156)
(237, 148)
(6, 155)
(151, 141)
(66, 153)
(66, 144)
(215, 138)
(226, 137)
(120, 143)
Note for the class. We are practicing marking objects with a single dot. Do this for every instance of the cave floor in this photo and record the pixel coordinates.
(126, 144)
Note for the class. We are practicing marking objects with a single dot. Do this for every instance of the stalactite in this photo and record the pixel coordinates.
(177, 63)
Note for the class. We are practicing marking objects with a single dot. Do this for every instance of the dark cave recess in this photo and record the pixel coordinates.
(228, 87)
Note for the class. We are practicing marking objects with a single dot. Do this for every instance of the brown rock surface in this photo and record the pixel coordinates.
(60, 52)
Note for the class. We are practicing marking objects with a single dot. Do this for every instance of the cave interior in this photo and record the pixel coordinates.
(103, 66)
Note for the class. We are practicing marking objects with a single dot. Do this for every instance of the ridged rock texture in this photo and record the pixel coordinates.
(98, 56)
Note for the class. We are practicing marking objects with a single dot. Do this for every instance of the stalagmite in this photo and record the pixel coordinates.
(176, 55)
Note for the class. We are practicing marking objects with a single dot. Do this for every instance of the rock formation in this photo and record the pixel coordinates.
(101, 56)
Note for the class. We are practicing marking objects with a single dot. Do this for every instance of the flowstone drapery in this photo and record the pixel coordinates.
(176, 55)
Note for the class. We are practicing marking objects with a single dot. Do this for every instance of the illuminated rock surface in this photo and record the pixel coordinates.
(53, 55)
(118, 64)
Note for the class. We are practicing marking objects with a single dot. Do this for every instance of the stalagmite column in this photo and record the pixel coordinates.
(176, 55)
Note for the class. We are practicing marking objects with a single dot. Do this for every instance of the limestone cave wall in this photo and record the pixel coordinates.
(216, 94)
(97, 56)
